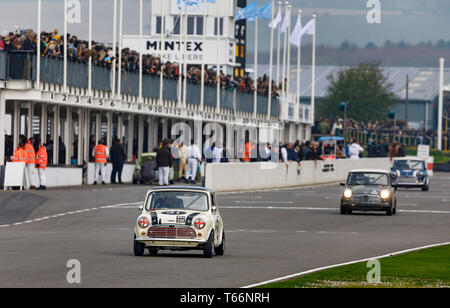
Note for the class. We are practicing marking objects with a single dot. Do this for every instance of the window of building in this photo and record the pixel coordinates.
(190, 25)
(176, 25)
(158, 24)
(200, 25)
(220, 25)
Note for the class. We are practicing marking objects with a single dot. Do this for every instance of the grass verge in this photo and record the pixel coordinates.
(429, 268)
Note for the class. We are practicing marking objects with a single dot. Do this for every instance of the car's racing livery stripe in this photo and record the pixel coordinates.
(154, 218)
(190, 218)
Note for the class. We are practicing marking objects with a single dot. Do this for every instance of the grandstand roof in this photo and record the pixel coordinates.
(423, 85)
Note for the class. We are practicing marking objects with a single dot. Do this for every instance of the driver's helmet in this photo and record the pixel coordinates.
(172, 201)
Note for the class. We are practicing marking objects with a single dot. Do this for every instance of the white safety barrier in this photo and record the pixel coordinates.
(60, 177)
(253, 176)
(127, 173)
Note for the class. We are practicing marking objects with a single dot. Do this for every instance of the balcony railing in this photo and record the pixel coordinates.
(21, 65)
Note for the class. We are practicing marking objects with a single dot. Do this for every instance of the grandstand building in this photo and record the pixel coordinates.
(94, 105)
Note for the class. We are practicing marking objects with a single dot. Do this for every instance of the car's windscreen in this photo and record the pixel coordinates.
(367, 178)
(171, 200)
(409, 165)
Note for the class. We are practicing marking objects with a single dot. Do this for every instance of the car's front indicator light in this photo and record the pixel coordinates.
(385, 194)
(199, 223)
(348, 193)
(143, 222)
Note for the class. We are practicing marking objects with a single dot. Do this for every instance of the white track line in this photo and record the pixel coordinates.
(319, 209)
(69, 213)
(342, 264)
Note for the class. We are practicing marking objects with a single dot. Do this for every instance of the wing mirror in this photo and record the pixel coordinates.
(343, 184)
(214, 208)
(141, 208)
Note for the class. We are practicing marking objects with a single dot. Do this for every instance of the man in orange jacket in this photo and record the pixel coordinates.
(31, 161)
(41, 165)
(20, 156)
(100, 154)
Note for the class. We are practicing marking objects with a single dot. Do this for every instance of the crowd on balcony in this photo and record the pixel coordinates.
(329, 126)
(52, 44)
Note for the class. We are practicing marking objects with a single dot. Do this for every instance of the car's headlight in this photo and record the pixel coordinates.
(143, 222)
(348, 193)
(385, 194)
(199, 223)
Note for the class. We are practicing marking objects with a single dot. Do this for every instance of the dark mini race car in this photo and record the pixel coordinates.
(410, 173)
(367, 191)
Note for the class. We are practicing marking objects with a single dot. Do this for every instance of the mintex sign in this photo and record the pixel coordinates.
(193, 50)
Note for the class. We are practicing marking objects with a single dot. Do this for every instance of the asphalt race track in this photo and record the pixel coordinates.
(269, 235)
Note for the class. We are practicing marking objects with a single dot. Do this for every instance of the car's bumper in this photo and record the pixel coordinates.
(367, 207)
(409, 185)
(409, 182)
(164, 242)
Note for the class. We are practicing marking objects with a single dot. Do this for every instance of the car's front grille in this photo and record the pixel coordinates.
(407, 180)
(366, 199)
(170, 232)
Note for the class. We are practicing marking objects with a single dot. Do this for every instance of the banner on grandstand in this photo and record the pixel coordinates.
(195, 50)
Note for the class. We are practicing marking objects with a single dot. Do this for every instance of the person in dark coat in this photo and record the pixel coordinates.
(164, 161)
(118, 156)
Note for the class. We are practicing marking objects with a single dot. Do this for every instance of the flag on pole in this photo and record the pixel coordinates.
(249, 12)
(296, 36)
(286, 21)
(274, 24)
(265, 12)
(309, 28)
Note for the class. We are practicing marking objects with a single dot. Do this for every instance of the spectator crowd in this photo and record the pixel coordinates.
(52, 44)
(335, 127)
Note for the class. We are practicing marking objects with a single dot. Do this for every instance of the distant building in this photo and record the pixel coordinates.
(423, 90)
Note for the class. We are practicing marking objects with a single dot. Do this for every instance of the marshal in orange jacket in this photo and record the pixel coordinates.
(42, 158)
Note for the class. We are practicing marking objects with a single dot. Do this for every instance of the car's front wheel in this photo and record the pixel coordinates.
(208, 249)
(220, 251)
(390, 211)
(425, 188)
(139, 248)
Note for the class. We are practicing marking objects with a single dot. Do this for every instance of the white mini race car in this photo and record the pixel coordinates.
(179, 219)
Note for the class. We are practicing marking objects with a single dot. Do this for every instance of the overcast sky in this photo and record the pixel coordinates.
(339, 20)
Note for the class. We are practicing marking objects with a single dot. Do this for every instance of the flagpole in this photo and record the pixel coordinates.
(180, 64)
(284, 61)
(90, 48)
(141, 22)
(280, 4)
(113, 90)
(184, 58)
(255, 94)
(288, 69)
(218, 57)
(119, 71)
(313, 79)
(162, 49)
(38, 52)
(202, 87)
(269, 104)
(65, 47)
(299, 67)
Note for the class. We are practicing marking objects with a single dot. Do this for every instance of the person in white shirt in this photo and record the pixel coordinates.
(217, 154)
(355, 150)
(284, 155)
(193, 158)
